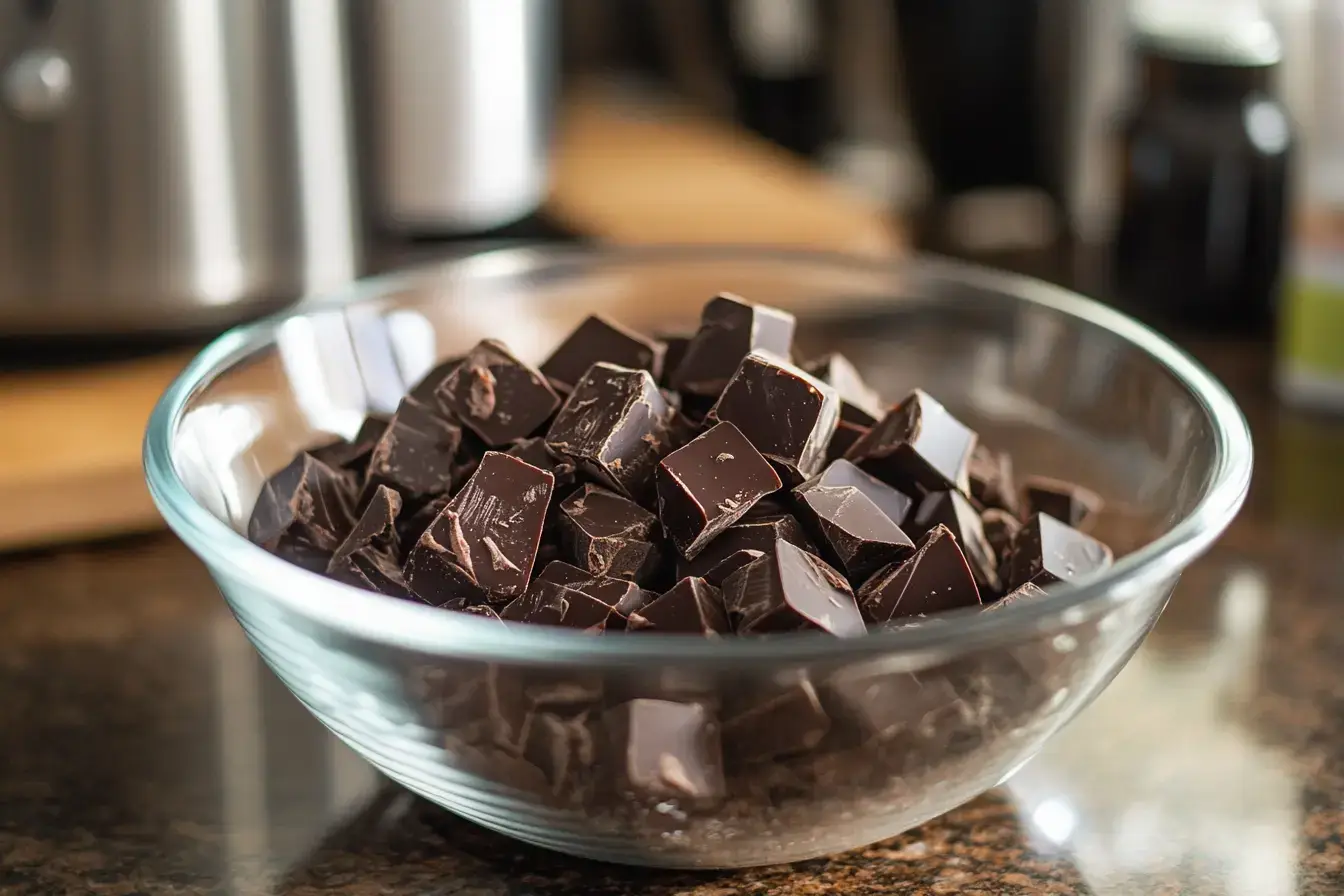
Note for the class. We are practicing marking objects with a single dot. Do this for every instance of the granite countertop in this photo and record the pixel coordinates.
(145, 750)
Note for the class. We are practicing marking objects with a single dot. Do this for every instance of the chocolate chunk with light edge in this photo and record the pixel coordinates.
(1025, 592)
(493, 525)
(665, 750)
(751, 533)
(991, 479)
(935, 578)
(1071, 504)
(303, 512)
(414, 454)
(782, 724)
(789, 591)
(843, 474)
(953, 510)
(622, 595)
(433, 576)
(1001, 527)
(918, 444)
(707, 485)
(788, 415)
(498, 396)
(546, 603)
(692, 606)
(859, 403)
(856, 534)
(606, 534)
(613, 427)
(598, 339)
(716, 574)
(426, 391)
(1048, 551)
(730, 329)
(368, 557)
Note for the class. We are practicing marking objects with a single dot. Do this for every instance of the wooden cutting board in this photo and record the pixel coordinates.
(624, 173)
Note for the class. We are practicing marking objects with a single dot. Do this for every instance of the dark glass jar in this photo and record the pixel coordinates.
(1205, 184)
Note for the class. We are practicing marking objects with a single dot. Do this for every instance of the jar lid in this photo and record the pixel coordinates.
(1247, 40)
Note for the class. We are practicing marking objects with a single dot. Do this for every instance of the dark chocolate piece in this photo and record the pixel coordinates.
(843, 474)
(859, 403)
(1022, 592)
(535, 452)
(934, 579)
(881, 704)
(660, 749)
(843, 439)
(787, 414)
(674, 352)
(433, 575)
(598, 339)
(368, 556)
(1071, 504)
(730, 329)
(412, 524)
(716, 574)
(917, 444)
(680, 431)
(303, 512)
(856, 534)
(692, 606)
(752, 533)
(353, 455)
(791, 590)
(546, 603)
(706, 486)
(426, 391)
(991, 478)
(606, 534)
(613, 427)
(788, 722)
(563, 747)
(1048, 551)
(622, 595)
(1001, 527)
(953, 510)
(498, 396)
(414, 454)
(493, 525)
(468, 456)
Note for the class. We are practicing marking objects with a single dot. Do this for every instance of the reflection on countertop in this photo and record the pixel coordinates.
(147, 750)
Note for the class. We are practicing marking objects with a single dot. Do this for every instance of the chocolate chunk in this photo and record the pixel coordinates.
(856, 534)
(791, 590)
(706, 486)
(1001, 527)
(934, 579)
(622, 595)
(498, 396)
(468, 456)
(1048, 551)
(674, 352)
(843, 439)
(790, 721)
(432, 574)
(991, 479)
(1071, 504)
(606, 534)
(788, 415)
(535, 452)
(493, 525)
(1023, 592)
(353, 455)
(368, 556)
(753, 533)
(859, 404)
(613, 427)
(546, 603)
(414, 454)
(597, 339)
(303, 512)
(692, 606)
(953, 510)
(730, 329)
(412, 524)
(660, 749)
(880, 703)
(716, 574)
(917, 444)
(843, 474)
(426, 391)
(563, 748)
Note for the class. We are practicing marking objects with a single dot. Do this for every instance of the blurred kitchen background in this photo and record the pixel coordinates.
(168, 168)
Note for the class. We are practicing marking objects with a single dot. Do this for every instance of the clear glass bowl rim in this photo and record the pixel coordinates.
(413, 626)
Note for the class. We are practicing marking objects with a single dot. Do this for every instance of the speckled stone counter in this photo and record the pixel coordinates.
(144, 750)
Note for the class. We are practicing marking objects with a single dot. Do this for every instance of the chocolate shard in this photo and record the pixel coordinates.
(752, 533)
(497, 396)
(706, 486)
(856, 534)
(303, 512)
(788, 415)
(935, 578)
(843, 439)
(1067, 502)
(433, 576)
(414, 454)
(1025, 592)
(613, 427)
(546, 603)
(843, 474)
(991, 478)
(859, 403)
(692, 606)
(622, 595)
(674, 352)
(783, 723)
(791, 590)
(606, 534)
(493, 525)
(535, 452)
(664, 750)
(1048, 551)
(953, 510)
(1001, 527)
(353, 455)
(730, 329)
(426, 391)
(368, 556)
(598, 339)
(917, 445)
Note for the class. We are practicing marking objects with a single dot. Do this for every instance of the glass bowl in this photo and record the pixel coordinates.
(521, 728)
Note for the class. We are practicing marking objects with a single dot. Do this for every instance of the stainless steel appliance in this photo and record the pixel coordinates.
(171, 163)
